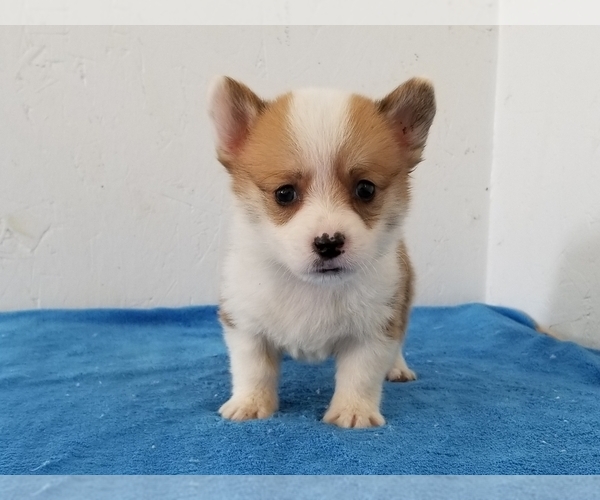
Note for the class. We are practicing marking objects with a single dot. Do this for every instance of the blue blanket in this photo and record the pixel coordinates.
(136, 392)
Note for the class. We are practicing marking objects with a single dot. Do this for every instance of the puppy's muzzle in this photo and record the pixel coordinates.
(329, 247)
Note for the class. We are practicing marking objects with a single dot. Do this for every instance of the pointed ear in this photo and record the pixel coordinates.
(233, 108)
(410, 110)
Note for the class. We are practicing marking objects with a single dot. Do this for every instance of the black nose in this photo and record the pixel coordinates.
(329, 247)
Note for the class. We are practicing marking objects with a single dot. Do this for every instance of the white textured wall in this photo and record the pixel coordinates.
(109, 191)
(544, 252)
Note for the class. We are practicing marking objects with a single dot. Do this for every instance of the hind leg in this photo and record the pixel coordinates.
(400, 372)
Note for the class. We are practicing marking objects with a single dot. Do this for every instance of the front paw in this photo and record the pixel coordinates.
(253, 406)
(353, 416)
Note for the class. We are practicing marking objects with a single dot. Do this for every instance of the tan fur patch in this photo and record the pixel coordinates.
(371, 153)
(226, 318)
(403, 299)
(269, 161)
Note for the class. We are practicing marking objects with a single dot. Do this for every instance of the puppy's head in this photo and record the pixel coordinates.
(322, 175)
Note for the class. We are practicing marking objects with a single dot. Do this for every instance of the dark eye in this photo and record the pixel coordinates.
(286, 195)
(365, 190)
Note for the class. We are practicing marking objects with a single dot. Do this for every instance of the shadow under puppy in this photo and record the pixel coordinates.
(317, 266)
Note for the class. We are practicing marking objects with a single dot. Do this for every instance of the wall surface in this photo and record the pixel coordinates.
(109, 191)
(544, 254)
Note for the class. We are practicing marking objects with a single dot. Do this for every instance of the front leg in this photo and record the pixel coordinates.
(361, 370)
(254, 366)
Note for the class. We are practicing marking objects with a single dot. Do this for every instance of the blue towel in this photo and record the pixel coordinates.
(136, 392)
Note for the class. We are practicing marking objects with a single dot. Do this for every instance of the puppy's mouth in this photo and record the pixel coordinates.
(332, 270)
(329, 269)
(332, 274)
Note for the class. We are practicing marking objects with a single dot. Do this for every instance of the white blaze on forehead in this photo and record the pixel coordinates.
(319, 123)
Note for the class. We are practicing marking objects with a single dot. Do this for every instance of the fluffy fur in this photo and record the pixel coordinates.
(327, 273)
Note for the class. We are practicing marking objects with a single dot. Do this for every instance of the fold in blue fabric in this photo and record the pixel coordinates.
(137, 392)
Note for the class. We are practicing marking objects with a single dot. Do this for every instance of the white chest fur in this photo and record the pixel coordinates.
(308, 321)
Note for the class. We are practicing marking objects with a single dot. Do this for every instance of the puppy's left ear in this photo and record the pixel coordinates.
(410, 110)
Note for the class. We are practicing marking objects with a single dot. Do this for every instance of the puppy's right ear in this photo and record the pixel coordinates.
(233, 108)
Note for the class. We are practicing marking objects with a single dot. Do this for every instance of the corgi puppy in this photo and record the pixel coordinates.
(317, 265)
